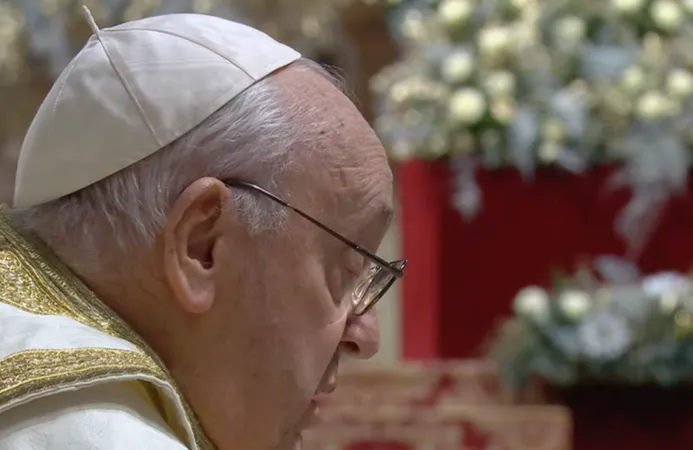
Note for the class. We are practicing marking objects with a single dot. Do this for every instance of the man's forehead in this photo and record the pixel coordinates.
(344, 160)
(366, 198)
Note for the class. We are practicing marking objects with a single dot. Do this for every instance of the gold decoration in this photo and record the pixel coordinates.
(32, 373)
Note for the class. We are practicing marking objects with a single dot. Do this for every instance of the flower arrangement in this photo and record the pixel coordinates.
(584, 331)
(522, 83)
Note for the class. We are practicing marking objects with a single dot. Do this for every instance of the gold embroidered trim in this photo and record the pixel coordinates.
(21, 289)
(33, 279)
(34, 372)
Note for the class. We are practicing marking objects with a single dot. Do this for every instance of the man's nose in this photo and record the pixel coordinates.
(362, 335)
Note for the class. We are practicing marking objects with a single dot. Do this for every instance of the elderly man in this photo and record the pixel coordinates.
(191, 246)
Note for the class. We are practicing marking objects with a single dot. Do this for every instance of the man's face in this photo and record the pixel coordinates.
(282, 311)
(297, 323)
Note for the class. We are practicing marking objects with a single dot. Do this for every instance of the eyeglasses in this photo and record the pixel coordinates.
(378, 278)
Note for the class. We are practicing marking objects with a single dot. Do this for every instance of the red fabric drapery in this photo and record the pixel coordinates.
(463, 275)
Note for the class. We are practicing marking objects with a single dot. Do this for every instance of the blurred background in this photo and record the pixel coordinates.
(541, 151)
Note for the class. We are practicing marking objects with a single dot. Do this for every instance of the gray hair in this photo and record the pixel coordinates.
(250, 138)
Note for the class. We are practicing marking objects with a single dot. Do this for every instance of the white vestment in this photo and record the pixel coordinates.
(73, 375)
(108, 415)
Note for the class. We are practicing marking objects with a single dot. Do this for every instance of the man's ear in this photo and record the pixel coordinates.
(192, 230)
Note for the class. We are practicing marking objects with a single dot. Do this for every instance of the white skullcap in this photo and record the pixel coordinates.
(133, 89)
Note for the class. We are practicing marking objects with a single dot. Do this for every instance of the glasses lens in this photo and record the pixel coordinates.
(372, 288)
(363, 286)
(374, 285)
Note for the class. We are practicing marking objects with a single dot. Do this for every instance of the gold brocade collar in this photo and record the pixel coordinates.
(61, 292)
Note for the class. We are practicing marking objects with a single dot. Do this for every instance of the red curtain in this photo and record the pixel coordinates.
(463, 275)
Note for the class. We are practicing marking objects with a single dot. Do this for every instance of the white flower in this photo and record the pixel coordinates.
(552, 130)
(549, 152)
(401, 150)
(604, 336)
(667, 287)
(454, 12)
(653, 105)
(500, 84)
(666, 14)
(633, 79)
(494, 40)
(680, 83)
(665, 282)
(628, 6)
(457, 67)
(467, 106)
(574, 304)
(668, 303)
(630, 302)
(532, 303)
(570, 30)
(412, 25)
